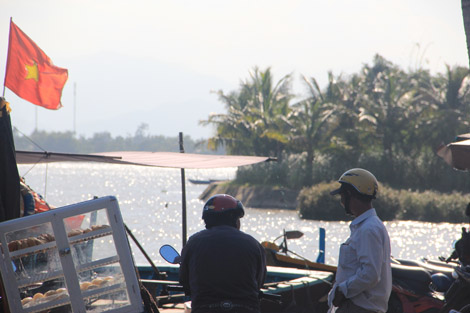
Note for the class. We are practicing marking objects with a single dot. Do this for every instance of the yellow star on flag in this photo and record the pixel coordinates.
(32, 71)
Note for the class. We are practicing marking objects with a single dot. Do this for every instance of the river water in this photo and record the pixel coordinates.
(150, 202)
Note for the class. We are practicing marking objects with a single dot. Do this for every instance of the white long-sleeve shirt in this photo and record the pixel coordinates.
(364, 272)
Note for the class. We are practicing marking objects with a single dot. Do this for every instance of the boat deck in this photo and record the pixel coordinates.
(174, 308)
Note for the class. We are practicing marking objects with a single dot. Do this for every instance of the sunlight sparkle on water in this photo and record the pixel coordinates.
(150, 202)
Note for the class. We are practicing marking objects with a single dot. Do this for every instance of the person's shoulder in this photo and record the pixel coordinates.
(373, 225)
(249, 238)
(198, 235)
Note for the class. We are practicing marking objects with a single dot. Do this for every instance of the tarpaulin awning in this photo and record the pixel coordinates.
(9, 177)
(457, 154)
(157, 159)
(33, 157)
(143, 158)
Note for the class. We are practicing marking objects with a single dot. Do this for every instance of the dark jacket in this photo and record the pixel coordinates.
(222, 263)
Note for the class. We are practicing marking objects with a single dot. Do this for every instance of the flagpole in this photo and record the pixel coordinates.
(75, 108)
(8, 53)
(183, 193)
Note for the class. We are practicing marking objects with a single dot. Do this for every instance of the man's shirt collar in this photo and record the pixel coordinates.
(363, 217)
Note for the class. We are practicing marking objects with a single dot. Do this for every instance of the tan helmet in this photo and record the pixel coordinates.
(363, 181)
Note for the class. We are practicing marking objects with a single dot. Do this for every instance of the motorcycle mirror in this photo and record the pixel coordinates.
(170, 254)
(294, 234)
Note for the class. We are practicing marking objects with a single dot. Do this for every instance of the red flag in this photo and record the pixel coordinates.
(30, 73)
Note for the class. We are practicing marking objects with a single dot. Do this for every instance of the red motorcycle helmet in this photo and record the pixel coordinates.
(222, 203)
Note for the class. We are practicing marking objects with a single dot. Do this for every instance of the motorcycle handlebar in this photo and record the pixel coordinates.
(463, 273)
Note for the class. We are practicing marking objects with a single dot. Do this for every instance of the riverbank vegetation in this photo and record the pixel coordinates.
(392, 204)
(382, 118)
(103, 142)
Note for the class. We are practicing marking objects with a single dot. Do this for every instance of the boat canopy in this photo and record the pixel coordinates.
(457, 154)
(145, 158)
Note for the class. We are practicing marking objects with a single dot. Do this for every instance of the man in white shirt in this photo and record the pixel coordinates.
(364, 276)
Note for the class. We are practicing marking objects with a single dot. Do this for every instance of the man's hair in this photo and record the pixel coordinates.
(228, 218)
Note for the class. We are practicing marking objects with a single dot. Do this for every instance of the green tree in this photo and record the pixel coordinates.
(466, 22)
(448, 97)
(55, 141)
(310, 122)
(346, 142)
(256, 119)
(385, 109)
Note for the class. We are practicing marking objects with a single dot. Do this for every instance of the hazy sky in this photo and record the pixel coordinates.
(156, 62)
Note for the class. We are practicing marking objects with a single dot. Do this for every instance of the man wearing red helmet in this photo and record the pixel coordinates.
(222, 268)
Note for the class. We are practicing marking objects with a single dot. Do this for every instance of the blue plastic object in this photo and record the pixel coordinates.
(321, 253)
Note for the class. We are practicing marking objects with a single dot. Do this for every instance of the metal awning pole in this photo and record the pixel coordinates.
(129, 232)
(183, 191)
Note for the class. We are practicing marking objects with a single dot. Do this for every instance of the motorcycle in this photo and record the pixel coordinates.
(172, 256)
(417, 287)
(454, 285)
(457, 298)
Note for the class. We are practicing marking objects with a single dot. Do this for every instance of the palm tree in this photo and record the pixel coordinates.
(448, 96)
(233, 129)
(346, 94)
(310, 119)
(256, 119)
(385, 107)
(466, 22)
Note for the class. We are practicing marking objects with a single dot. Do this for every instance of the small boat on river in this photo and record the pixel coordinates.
(204, 181)
(280, 255)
